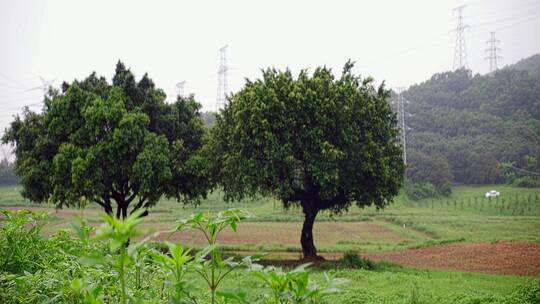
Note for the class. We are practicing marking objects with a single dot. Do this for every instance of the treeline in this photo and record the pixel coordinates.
(479, 129)
(7, 173)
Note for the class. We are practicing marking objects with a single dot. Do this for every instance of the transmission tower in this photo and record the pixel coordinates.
(460, 51)
(222, 89)
(180, 88)
(45, 85)
(401, 121)
(492, 50)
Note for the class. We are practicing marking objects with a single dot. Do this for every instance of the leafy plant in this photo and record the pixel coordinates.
(214, 269)
(353, 260)
(20, 241)
(119, 232)
(295, 286)
(177, 263)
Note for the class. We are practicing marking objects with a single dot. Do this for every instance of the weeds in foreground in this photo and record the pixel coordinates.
(110, 266)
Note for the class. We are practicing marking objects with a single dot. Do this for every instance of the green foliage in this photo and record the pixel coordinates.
(21, 246)
(7, 173)
(525, 294)
(432, 169)
(530, 64)
(316, 141)
(295, 286)
(527, 182)
(215, 269)
(64, 279)
(119, 232)
(351, 259)
(35, 269)
(468, 124)
(110, 143)
(177, 265)
(420, 191)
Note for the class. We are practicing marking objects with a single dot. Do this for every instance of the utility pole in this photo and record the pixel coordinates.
(492, 49)
(222, 89)
(180, 87)
(460, 51)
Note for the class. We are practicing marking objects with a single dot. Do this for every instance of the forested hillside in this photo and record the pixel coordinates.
(476, 129)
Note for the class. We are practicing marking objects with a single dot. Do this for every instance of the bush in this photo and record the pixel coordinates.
(525, 294)
(418, 191)
(445, 189)
(351, 259)
(527, 182)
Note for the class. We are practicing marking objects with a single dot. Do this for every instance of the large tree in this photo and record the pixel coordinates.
(116, 143)
(316, 141)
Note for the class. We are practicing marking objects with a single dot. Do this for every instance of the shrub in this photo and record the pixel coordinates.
(352, 260)
(527, 182)
(418, 191)
(21, 246)
(525, 294)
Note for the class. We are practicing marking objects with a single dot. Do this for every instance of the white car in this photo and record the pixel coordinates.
(492, 193)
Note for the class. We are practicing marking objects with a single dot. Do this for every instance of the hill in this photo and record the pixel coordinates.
(476, 129)
(529, 64)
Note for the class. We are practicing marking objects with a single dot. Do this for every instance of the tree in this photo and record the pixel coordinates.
(433, 168)
(110, 143)
(474, 122)
(315, 141)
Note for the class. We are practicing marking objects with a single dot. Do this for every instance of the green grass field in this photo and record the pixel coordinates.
(404, 224)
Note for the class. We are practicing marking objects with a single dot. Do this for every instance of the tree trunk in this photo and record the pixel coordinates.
(118, 211)
(121, 209)
(108, 209)
(309, 251)
(124, 211)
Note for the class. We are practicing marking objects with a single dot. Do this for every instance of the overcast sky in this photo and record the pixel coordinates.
(402, 42)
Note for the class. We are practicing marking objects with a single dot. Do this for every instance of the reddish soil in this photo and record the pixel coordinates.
(503, 257)
(60, 213)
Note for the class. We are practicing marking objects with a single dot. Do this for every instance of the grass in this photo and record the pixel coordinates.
(395, 284)
(404, 224)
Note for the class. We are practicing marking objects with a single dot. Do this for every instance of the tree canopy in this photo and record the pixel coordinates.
(110, 143)
(317, 141)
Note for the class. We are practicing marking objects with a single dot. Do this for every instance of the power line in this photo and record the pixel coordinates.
(45, 85)
(505, 20)
(493, 48)
(530, 18)
(460, 51)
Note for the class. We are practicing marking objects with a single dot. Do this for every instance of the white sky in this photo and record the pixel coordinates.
(402, 42)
